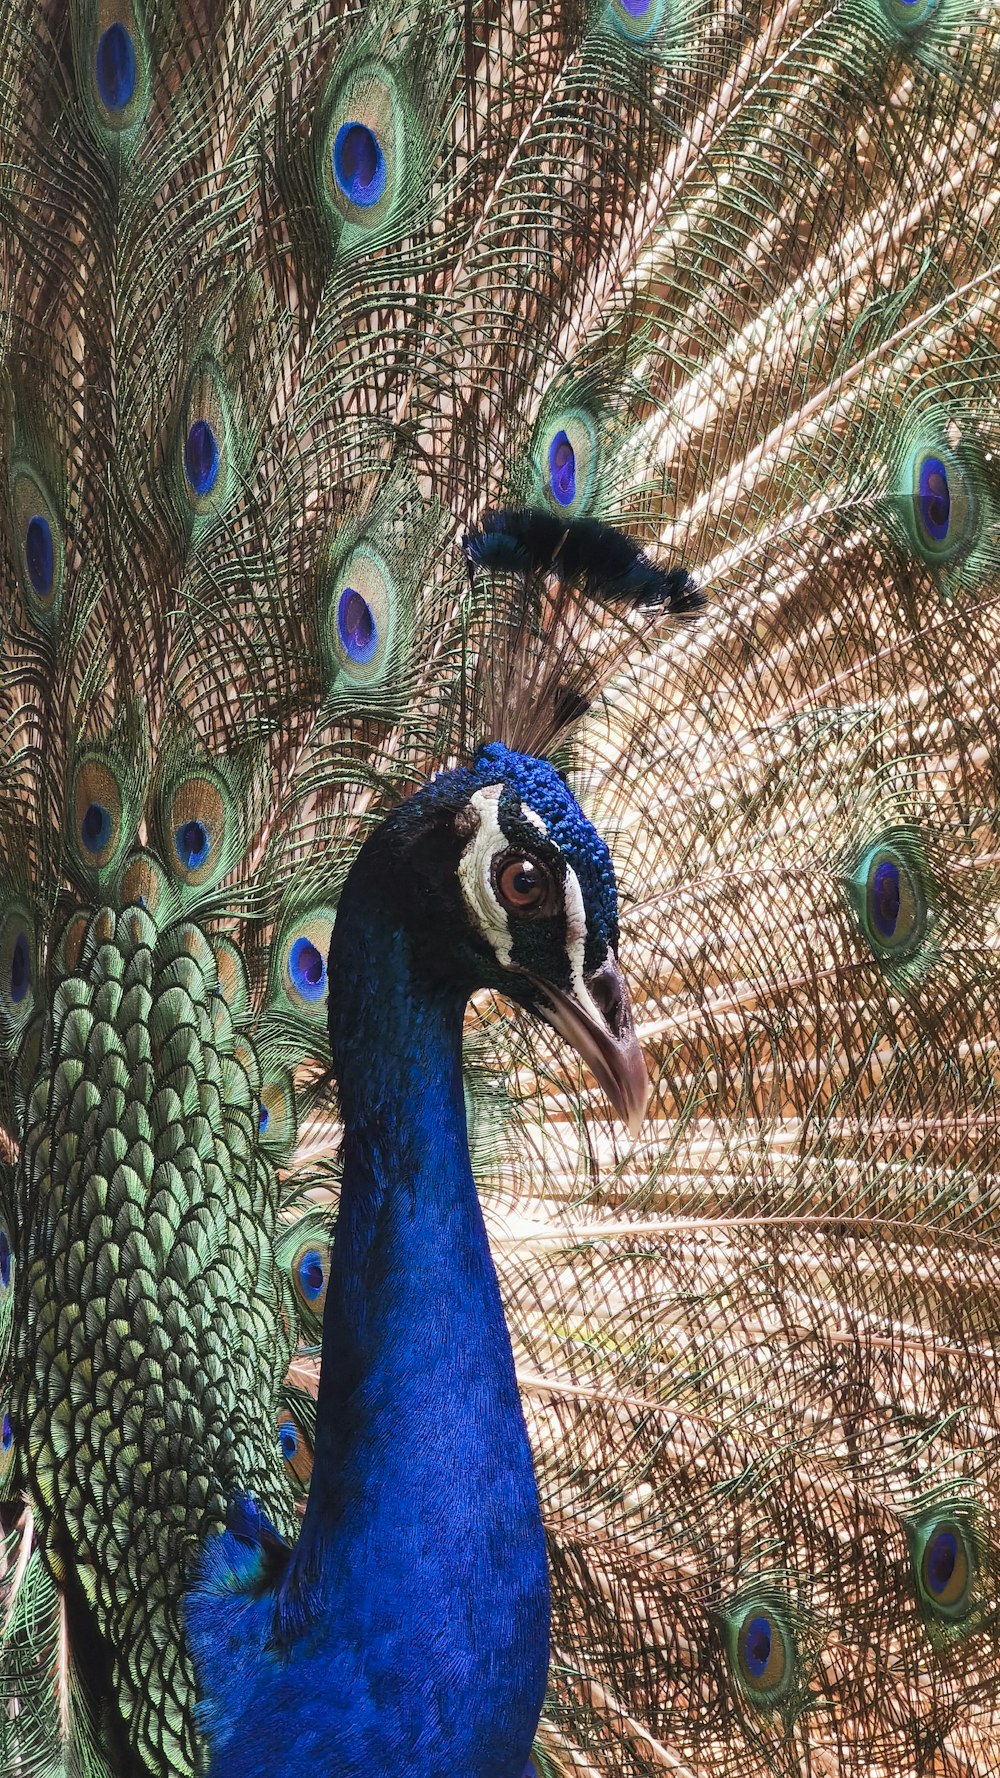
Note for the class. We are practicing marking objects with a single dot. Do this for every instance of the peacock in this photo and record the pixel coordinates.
(499, 889)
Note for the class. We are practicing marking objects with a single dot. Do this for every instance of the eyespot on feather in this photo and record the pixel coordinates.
(567, 462)
(295, 1446)
(277, 1123)
(921, 29)
(943, 487)
(17, 967)
(305, 968)
(233, 986)
(362, 156)
(763, 1656)
(38, 536)
(6, 1263)
(113, 63)
(908, 17)
(889, 896)
(97, 812)
(115, 67)
(944, 1560)
(144, 883)
(358, 164)
(636, 20)
(941, 505)
(299, 962)
(69, 948)
(361, 620)
(310, 1270)
(18, 973)
(761, 1652)
(203, 444)
(198, 817)
(7, 1444)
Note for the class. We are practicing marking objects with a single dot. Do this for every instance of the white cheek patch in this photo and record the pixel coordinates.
(475, 871)
(576, 941)
(576, 934)
(475, 874)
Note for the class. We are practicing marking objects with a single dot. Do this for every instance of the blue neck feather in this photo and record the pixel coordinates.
(412, 1620)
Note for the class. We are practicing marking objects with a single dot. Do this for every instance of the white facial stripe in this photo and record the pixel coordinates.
(475, 872)
(576, 939)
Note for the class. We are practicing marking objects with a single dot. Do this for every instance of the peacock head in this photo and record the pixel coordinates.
(498, 880)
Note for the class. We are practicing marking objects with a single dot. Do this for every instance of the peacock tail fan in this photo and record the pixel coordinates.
(341, 346)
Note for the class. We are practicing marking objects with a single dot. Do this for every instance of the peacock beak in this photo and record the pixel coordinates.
(598, 1023)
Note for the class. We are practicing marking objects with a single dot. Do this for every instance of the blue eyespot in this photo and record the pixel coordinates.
(885, 898)
(940, 1560)
(201, 457)
(95, 828)
(192, 844)
(945, 1560)
(356, 624)
(6, 1433)
(96, 799)
(359, 164)
(301, 955)
(311, 1274)
(288, 1440)
(562, 469)
(39, 555)
(20, 969)
(933, 494)
(361, 620)
(757, 1647)
(637, 20)
(891, 902)
(910, 15)
(762, 1656)
(115, 67)
(4, 1259)
(307, 969)
(277, 1109)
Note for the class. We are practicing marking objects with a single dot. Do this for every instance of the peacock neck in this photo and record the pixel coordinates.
(412, 1291)
(423, 1521)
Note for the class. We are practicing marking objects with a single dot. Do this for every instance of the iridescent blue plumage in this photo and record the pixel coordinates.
(359, 164)
(115, 67)
(201, 457)
(39, 554)
(356, 625)
(408, 1629)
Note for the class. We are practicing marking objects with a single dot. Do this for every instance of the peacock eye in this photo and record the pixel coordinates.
(6, 1446)
(524, 886)
(944, 1557)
